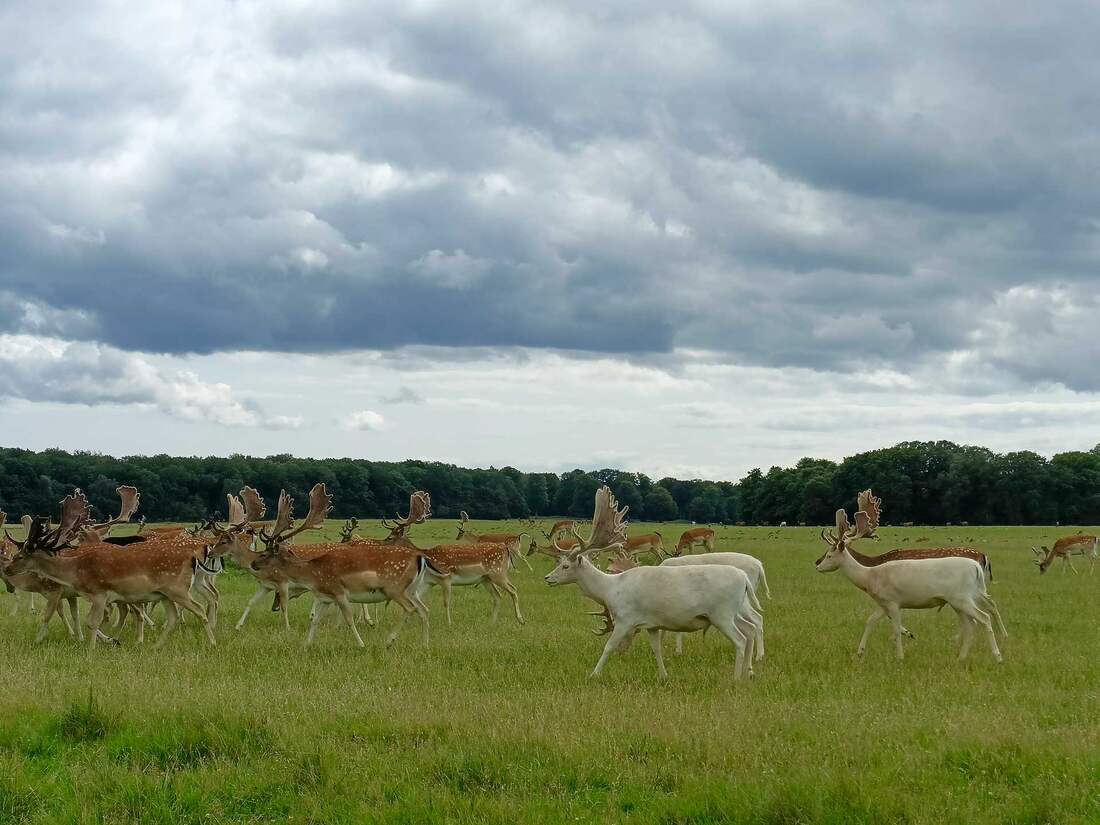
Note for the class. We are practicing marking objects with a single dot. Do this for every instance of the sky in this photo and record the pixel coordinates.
(685, 240)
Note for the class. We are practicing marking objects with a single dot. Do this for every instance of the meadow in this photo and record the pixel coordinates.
(499, 724)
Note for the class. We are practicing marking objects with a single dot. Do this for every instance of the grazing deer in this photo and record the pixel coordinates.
(655, 599)
(701, 536)
(343, 574)
(1080, 545)
(910, 579)
(154, 571)
(649, 543)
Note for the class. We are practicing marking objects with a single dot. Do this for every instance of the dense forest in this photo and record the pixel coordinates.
(921, 482)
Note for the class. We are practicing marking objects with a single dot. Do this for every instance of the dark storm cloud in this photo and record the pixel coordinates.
(803, 186)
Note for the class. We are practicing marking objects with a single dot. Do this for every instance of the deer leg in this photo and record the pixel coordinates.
(349, 616)
(95, 618)
(494, 595)
(966, 633)
(510, 589)
(74, 627)
(621, 634)
(1069, 561)
(679, 643)
(991, 607)
(51, 606)
(365, 611)
(409, 608)
(655, 645)
(172, 614)
(728, 628)
(872, 620)
(899, 631)
(756, 620)
(284, 600)
(748, 630)
(979, 616)
(259, 594)
(318, 612)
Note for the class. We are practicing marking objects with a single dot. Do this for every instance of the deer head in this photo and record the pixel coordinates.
(348, 530)
(283, 529)
(39, 538)
(420, 510)
(867, 520)
(608, 531)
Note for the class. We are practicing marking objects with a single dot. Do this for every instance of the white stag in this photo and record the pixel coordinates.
(920, 581)
(683, 599)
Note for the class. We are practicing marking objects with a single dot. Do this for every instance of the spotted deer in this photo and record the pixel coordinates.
(159, 570)
(344, 574)
(513, 541)
(1080, 545)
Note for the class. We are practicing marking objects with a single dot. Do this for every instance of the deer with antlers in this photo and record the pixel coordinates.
(656, 599)
(344, 574)
(1079, 545)
(157, 570)
(31, 583)
(696, 536)
(910, 579)
(513, 541)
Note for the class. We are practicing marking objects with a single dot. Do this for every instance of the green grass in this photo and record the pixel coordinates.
(498, 723)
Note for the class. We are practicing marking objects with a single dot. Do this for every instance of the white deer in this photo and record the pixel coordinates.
(922, 580)
(749, 565)
(682, 599)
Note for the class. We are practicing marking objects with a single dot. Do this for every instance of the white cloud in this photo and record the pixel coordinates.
(41, 369)
(363, 420)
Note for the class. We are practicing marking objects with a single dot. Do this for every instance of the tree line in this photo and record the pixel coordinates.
(920, 482)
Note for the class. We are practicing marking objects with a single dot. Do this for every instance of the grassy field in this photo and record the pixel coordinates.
(498, 723)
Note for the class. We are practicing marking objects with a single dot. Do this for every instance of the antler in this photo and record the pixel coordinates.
(129, 498)
(237, 515)
(870, 508)
(608, 526)
(420, 510)
(320, 502)
(254, 507)
(348, 529)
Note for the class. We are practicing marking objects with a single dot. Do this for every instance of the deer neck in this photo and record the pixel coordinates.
(61, 569)
(857, 574)
(593, 582)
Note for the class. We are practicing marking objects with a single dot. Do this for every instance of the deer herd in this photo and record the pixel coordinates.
(77, 558)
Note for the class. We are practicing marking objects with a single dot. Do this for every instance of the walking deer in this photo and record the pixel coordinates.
(343, 574)
(910, 579)
(655, 599)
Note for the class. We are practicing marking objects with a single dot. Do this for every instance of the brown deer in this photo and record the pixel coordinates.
(649, 543)
(342, 574)
(483, 563)
(1080, 545)
(701, 536)
(32, 583)
(158, 570)
(513, 541)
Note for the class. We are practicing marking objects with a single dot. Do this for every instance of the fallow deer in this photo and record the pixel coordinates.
(655, 599)
(701, 536)
(345, 574)
(513, 541)
(31, 583)
(649, 543)
(910, 580)
(154, 571)
(483, 563)
(1080, 545)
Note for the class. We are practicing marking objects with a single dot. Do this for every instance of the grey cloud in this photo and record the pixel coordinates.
(781, 186)
(404, 395)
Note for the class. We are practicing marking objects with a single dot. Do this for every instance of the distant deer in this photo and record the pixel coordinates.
(696, 536)
(1080, 545)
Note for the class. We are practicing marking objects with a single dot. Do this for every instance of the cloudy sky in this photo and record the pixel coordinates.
(549, 234)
